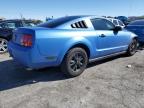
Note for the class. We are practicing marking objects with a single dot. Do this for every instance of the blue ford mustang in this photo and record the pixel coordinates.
(70, 42)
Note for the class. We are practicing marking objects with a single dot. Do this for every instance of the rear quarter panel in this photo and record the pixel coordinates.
(55, 43)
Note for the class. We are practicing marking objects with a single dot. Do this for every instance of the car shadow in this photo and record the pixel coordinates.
(14, 75)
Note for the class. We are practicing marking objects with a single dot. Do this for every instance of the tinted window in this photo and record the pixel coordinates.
(102, 24)
(80, 24)
(10, 25)
(137, 23)
(58, 22)
(115, 22)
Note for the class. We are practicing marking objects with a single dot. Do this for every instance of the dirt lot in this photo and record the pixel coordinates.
(105, 84)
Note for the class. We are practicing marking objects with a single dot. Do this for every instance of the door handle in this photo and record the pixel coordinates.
(102, 35)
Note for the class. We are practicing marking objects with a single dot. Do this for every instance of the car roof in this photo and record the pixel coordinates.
(81, 17)
(91, 16)
(113, 19)
(85, 16)
(64, 21)
(137, 22)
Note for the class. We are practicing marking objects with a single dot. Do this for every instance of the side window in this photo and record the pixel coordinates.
(80, 24)
(11, 25)
(120, 23)
(115, 22)
(102, 24)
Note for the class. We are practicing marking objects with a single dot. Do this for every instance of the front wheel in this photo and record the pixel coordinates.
(74, 62)
(3, 45)
(132, 47)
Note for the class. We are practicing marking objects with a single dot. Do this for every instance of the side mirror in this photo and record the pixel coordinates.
(117, 28)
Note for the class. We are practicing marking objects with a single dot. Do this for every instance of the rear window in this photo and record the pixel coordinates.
(29, 24)
(57, 22)
(137, 23)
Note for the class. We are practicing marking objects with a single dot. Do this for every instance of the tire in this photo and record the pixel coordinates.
(132, 47)
(75, 62)
(3, 45)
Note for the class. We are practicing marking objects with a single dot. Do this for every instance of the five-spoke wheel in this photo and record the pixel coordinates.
(3, 45)
(132, 47)
(74, 62)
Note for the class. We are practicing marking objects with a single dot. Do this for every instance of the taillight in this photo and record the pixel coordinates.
(26, 40)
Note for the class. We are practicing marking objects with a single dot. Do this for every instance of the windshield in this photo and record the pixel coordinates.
(57, 22)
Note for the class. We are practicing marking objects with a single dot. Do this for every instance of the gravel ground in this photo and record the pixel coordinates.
(112, 83)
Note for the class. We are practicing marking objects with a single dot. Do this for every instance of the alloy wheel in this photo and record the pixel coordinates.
(3, 45)
(133, 46)
(77, 62)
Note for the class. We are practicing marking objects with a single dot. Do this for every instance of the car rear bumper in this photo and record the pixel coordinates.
(29, 57)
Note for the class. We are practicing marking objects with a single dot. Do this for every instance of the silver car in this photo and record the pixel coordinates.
(116, 22)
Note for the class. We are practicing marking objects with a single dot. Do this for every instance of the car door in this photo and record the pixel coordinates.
(1, 28)
(107, 40)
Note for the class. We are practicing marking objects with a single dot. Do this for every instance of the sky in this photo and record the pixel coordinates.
(40, 9)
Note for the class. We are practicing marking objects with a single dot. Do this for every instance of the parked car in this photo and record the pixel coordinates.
(124, 19)
(70, 42)
(117, 22)
(6, 31)
(137, 27)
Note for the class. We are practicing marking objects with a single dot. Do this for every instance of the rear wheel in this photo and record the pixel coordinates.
(132, 47)
(3, 45)
(74, 62)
